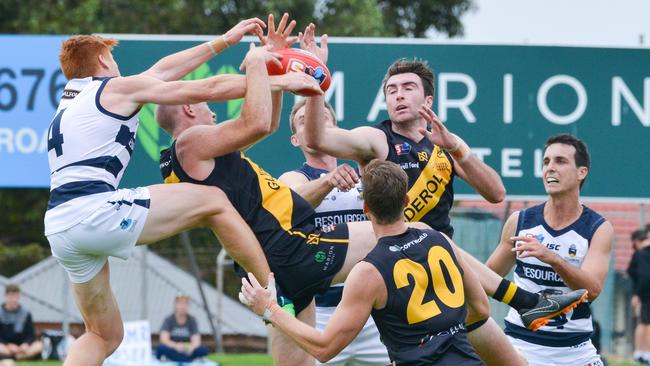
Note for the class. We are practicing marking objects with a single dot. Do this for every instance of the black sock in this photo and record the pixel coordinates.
(517, 298)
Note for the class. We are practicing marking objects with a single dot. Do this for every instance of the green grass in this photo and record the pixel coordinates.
(224, 360)
(252, 360)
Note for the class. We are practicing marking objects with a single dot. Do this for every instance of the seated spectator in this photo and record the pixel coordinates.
(639, 272)
(180, 339)
(17, 341)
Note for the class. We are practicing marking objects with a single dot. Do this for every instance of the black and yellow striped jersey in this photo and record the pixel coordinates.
(269, 207)
(430, 172)
(423, 320)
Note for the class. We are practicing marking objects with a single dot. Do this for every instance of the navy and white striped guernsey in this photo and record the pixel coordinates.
(88, 150)
(336, 208)
(571, 243)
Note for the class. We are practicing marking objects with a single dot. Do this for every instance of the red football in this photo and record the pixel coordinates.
(297, 60)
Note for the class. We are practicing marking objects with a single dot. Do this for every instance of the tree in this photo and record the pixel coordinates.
(362, 18)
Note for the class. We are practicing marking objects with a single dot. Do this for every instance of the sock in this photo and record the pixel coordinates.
(514, 296)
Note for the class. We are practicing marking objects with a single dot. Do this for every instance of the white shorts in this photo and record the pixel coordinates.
(583, 354)
(111, 231)
(366, 349)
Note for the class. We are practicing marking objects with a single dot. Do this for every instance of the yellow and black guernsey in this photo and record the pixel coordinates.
(430, 172)
(303, 257)
(423, 320)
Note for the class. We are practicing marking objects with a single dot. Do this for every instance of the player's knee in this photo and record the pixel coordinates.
(211, 200)
(114, 339)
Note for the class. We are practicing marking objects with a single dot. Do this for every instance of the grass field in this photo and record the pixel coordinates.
(252, 360)
(224, 360)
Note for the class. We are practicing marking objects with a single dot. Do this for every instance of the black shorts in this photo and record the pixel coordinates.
(645, 311)
(306, 259)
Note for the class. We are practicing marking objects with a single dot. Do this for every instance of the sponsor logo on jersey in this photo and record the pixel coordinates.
(327, 228)
(320, 256)
(397, 248)
(128, 224)
(423, 156)
(402, 149)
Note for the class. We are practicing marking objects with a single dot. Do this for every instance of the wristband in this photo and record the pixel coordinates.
(217, 45)
(454, 148)
(465, 156)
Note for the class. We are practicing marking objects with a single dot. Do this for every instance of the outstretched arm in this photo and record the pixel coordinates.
(361, 144)
(179, 64)
(205, 142)
(470, 168)
(360, 294)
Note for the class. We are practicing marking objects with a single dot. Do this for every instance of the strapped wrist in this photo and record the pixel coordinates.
(217, 45)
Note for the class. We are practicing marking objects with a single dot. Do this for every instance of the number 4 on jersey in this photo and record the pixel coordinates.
(55, 138)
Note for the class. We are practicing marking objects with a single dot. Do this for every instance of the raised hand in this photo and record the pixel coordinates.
(308, 43)
(301, 83)
(439, 134)
(279, 38)
(343, 177)
(253, 26)
(260, 54)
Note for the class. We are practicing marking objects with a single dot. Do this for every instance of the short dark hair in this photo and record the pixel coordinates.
(11, 288)
(417, 66)
(639, 235)
(385, 185)
(581, 156)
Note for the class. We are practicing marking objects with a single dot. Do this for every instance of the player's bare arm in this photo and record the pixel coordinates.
(177, 65)
(471, 169)
(361, 144)
(314, 191)
(364, 290)
(591, 275)
(503, 259)
(478, 305)
(278, 38)
(197, 146)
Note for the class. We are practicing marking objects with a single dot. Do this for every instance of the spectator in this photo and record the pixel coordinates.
(17, 341)
(180, 339)
(639, 271)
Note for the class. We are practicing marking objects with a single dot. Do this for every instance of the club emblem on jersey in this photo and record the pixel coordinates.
(313, 239)
(423, 156)
(402, 149)
(573, 250)
(127, 224)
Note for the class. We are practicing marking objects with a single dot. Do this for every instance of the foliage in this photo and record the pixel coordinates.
(16, 258)
(21, 217)
(368, 18)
